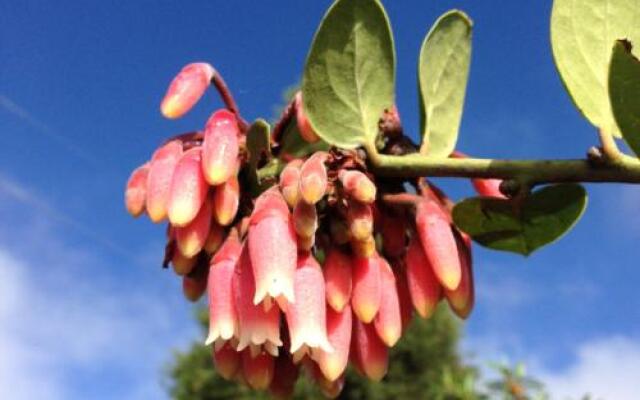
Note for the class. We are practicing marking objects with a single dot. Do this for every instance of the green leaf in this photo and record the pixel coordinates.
(542, 218)
(259, 149)
(582, 32)
(349, 75)
(258, 142)
(443, 70)
(624, 91)
(294, 146)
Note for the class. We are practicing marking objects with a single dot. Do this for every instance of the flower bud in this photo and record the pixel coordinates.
(305, 243)
(339, 231)
(394, 238)
(339, 325)
(332, 389)
(462, 298)
(161, 168)
(337, 276)
(258, 370)
(366, 296)
(223, 317)
(360, 219)
(284, 378)
(182, 264)
(488, 187)
(372, 354)
(186, 89)
(313, 178)
(329, 388)
(358, 186)
(289, 182)
(256, 325)
(305, 219)
(273, 249)
(136, 192)
(363, 248)
(188, 188)
(306, 317)
(194, 287)
(304, 126)
(388, 322)
(404, 296)
(424, 287)
(226, 198)
(226, 361)
(438, 243)
(220, 147)
(214, 239)
(192, 237)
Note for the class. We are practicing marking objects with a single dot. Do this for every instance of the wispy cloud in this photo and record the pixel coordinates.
(17, 111)
(24, 195)
(606, 368)
(71, 329)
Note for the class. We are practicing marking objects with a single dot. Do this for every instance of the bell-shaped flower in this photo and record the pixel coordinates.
(273, 249)
(306, 317)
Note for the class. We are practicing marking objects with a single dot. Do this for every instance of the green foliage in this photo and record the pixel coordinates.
(349, 75)
(514, 384)
(443, 70)
(624, 89)
(423, 365)
(582, 33)
(258, 141)
(522, 226)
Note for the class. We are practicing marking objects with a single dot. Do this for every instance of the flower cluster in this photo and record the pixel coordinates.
(324, 268)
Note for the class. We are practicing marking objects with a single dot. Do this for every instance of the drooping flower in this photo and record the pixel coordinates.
(258, 369)
(186, 89)
(273, 250)
(289, 182)
(370, 351)
(438, 243)
(366, 295)
(313, 178)
(358, 186)
(256, 326)
(223, 316)
(306, 317)
(192, 237)
(188, 188)
(337, 277)
(388, 322)
(135, 194)
(220, 147)
(339, 326)
(424, 287)
(161, 168)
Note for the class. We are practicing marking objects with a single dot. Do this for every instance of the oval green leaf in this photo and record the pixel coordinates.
(443, 70)
(582, 32)
(349, 74)
(543, 217)
(624, 91)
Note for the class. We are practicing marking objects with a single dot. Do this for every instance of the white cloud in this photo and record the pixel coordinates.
(27, 117)
(606, 368)
(74, 324)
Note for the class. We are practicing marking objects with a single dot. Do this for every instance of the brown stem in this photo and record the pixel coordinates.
(284, 120)
(228, 100)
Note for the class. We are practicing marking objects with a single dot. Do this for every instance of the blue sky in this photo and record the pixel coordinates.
(86, 312)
